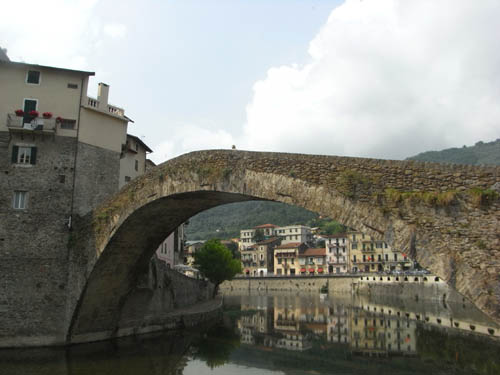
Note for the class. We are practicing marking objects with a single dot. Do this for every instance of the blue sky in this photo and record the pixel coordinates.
(378, 78)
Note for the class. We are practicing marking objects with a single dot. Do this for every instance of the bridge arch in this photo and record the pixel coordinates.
(414, 206)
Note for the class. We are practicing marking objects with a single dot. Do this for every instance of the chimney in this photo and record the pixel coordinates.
(3, 54)
(102, 94)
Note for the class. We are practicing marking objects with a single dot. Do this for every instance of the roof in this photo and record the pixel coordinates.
(46, 67)
(291, 245)
(149, 161)
(266, 226)
(313, 252)
(138, 140)
(338, 235)
(270, 240)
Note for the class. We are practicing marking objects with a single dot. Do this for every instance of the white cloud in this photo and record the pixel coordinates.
(188, 138)
(115, 30)
(388, 79)
(52, 32)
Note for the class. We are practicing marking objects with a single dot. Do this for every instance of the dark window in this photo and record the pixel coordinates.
(33, 77)
(68, 124)
(136, 165)
(62, 178)
(23, 155)
(127, 178)
(72, 86)
(20, 200)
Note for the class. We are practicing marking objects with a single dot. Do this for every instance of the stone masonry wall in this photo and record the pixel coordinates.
(33, 251)
(97, 177)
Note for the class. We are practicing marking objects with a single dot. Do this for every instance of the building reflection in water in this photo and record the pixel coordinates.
(294, 322)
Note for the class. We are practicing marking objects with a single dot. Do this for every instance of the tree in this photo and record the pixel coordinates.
(259, 235)
(216, 263)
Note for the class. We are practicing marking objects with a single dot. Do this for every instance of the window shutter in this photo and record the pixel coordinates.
(33, 155)
(15, 151)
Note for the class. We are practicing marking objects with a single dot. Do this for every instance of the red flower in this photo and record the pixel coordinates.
(19, 112)
(59, 119)
(47, 114)
(33, 113)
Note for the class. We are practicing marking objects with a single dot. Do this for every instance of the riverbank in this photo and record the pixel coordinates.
(423, 287)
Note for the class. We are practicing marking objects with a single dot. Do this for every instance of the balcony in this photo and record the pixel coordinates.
(111, 109)
(34, 126)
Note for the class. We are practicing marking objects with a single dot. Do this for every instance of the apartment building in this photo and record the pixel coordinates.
(337, 253)
(286, 258)
(313, 261)
(171, 250)
(370, 255)
(258, 260)
(294, 233)
(190, 249)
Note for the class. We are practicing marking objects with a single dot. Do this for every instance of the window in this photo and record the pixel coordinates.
(136, 165)
(396, 257)
(68, 124)
(72, 85)
(127, 179)
(354, 246)
(33, 77)
(354, 258)
(20, 200)
(23, 155)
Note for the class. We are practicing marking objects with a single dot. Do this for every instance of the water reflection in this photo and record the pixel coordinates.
(292, 334)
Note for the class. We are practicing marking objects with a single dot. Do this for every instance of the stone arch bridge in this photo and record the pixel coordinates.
(445, 216)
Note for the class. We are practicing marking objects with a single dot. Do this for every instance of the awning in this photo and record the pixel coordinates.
(302, 270)
(311, 269)
(320, 269)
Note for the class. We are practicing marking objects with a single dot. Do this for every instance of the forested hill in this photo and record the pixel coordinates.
(227, 221)
(480, 153)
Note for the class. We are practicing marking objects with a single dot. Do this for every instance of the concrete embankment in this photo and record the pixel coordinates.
(423, 287)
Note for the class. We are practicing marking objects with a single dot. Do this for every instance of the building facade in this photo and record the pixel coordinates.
(313, 262)
(133, 159)
(286, 258)
(60, 157)
(337, 250)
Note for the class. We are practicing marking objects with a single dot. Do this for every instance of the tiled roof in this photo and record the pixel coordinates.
(270, 240)
(291, 245)
(314, 252)
(266, 226)
(338, 235)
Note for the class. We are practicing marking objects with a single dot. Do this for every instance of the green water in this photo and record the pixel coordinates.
(290, 334)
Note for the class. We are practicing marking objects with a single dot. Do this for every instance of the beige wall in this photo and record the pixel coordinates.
(52, 93)
(102, 130)
(127, 162)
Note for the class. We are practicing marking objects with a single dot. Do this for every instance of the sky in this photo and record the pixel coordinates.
(369, 78)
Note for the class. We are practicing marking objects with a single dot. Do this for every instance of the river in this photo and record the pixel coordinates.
(293, 334)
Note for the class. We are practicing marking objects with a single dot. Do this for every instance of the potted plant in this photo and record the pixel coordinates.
(19, 112)
(33, 113)
(59, 119)
(47, 115)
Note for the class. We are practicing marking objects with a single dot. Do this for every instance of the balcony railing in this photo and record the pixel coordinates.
(94, 103)
(37, 125)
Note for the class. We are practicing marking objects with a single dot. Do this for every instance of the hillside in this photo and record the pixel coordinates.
(480, 153)
(227, 221)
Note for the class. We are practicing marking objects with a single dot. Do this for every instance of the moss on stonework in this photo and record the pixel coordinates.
(431, 198)
(351, 183)
(483, 197)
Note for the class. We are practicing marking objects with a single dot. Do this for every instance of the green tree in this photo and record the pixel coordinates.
(216, 263)
(259, 235)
